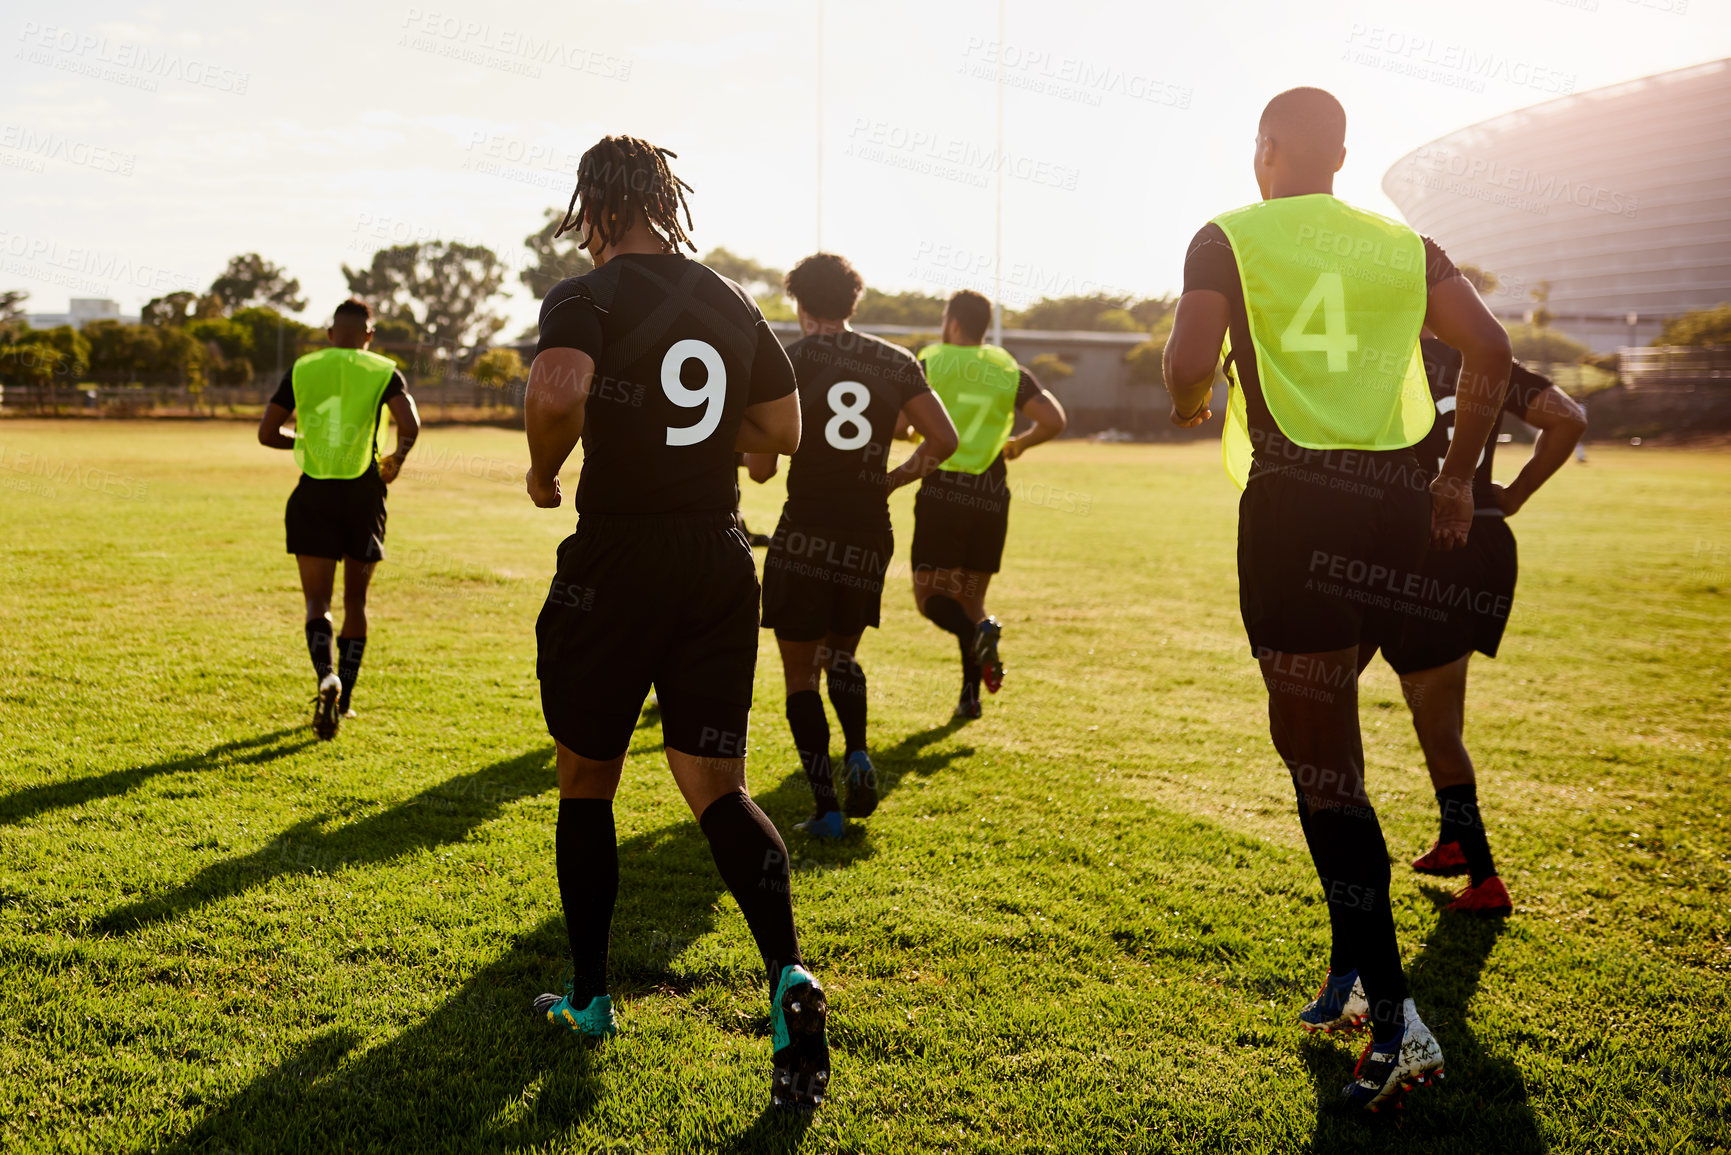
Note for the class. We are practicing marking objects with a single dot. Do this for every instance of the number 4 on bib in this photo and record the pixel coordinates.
(1329, 294)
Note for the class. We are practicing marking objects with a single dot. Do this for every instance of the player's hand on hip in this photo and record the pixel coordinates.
(548, 495)
(1451, 512)
(389, 467)
(1507, 500)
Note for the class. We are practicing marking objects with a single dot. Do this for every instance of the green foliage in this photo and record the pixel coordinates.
(1051, 369)
(12, 313)
(910, 308)
(179, 308)
(44, 356)
(443, 288)
(497, 368)
(262, 325)
(1699, 327)
(1103, 312)
(776, 307)
(1483, 280)
(554, 259)
(249, 279)
(1145, 359)
(755, 278)
(1539, 343)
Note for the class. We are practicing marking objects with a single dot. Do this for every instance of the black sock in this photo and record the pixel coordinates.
(947, 613)
(847, 693)
(752, 860)
(1340, 960)
(587, 856)
(1346, 843)
(1462, 823)
(319, 646)
(349, 651)
(810, 726)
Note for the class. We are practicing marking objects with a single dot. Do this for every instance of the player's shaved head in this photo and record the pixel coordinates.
(1309, 124)
(971, 313)
(352, 323)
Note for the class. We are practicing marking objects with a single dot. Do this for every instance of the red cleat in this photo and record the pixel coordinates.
(1488, 897)
(1443, 858)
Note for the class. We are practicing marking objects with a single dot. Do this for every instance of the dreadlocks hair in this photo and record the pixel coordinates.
(621, 178)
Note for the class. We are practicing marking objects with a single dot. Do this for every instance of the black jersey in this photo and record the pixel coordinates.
(1210, 264)
(1442, 368)
(680, 352)
(851, 387)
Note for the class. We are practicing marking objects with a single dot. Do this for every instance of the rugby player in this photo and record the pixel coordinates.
(823, 578)
(1463, 605)
(962, 511)
(1321, 305)
(664, 370)
(337, 511)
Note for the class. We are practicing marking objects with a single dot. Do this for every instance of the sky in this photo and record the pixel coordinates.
(142, 145)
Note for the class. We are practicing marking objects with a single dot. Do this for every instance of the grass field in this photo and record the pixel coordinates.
(1082, 923)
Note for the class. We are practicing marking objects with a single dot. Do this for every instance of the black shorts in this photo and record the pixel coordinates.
(960, 521)
(1462, 604)
(819, 581)
(337, 517)
(665, 600)
(1319, 544)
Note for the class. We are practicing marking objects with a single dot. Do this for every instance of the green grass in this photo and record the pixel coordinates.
(1083, 923)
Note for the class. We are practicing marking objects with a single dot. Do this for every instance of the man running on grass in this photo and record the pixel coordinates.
(1462, 605)
(664, 370)
(337, 512)
(1321, 305)
(823, 579)
(962, 511)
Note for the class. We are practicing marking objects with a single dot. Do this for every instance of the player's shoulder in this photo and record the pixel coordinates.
(597, 287)
(731, 291)
(1209, 235)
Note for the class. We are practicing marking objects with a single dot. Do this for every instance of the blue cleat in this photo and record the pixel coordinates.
(862, 785)
(827, 825)
(1339, 1006)
(594, 1021)
(797, 1015)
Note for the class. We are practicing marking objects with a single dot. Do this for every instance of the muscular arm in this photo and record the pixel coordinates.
(939, 439)
(408, 421)
(770, 426)
(760, 467)
(1049, 420)
(270, 430)
(1560, 421)
(1193, 354)
(553, 407)
(1457, 315)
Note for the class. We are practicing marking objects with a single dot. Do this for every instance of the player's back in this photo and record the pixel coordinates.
(852, 386)
(680, 352)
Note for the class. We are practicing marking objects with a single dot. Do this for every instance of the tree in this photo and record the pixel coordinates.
(441, 287)
(264, 325)
(1541, 295)
(1051, 368)
(879, 308)
(180, 307)
(754, 278)
(497, 368)
(1100, 311)
(118, 351)
(250, 279)
(12, 313)
(554, 259)
(228, 348)
(1483, 280)
(1537, 343)
(45, 357)
(1145, 360)
(1698, 327)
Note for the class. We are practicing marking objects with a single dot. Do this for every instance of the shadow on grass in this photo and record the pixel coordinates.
(483, 1071)
(33, 800)
(1482, 1103)
(440, 814)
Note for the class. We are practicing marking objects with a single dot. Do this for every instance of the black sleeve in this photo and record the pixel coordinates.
(911, 379)
(397, 388)
(285, 393)
(1210, 264)
(1027, 388)
(771, 372)
(1437, 266)
(1524, 389)
(570, 320)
